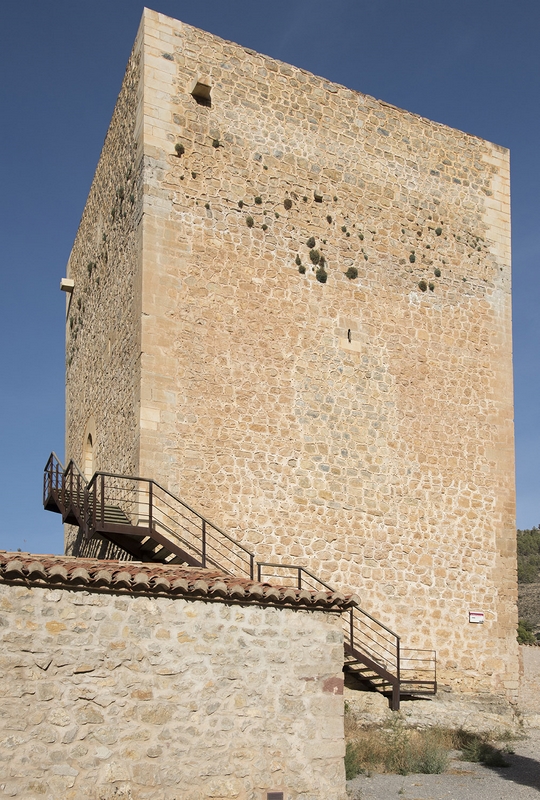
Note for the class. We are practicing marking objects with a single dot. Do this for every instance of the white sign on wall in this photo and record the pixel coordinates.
(476, 616)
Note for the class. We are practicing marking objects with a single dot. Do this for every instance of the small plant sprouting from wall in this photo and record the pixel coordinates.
(193, 175)
(90, 267)
(431, 287)
(287, 204)
(250, 222)
(422, 286)
(361, 237)
(352, 273)
(315, 256)
(344, 229)
(264, 227)
(329, 219)
(302, 269)
(216, 143)
(240, 204)
(437, 272)
(298, 261)
(258, 200)
(276, 214)
(311, 242)
(321, 274)
(412, 257)
(180, 149)
(438, 231)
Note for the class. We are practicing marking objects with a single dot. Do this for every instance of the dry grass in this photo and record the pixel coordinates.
(394, 748)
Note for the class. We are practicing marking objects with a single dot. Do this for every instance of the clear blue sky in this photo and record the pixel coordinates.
(471, 64)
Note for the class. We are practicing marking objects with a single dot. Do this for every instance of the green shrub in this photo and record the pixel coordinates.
(352, 273)
(525, 633)
(528, 550)
(314, 256)
(476, 748)
(311, 242)
(250, 222)
(180, 149)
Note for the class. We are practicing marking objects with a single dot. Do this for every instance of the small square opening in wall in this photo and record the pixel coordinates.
(274, 796)
(201, 93)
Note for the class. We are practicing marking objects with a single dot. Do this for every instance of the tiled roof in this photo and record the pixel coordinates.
(137, 577)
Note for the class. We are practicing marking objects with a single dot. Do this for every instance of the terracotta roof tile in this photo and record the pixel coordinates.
(135, 577)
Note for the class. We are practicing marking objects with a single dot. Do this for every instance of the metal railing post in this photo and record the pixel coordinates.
(204, 544)
(351, 627)
(251, 565)
(150, 504)
(299, 577)
(102, 499)
(85, 512)
(94, 505)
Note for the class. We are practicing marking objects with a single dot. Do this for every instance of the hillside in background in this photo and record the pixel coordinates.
(528, 554)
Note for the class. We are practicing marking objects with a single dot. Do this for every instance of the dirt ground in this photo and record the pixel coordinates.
(462, 780)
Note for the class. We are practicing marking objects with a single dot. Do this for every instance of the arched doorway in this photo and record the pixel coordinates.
(88, 465)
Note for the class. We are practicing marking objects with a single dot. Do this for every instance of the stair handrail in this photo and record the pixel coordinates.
(387, 665)
(74, 492)
(390, 657)
(93, 490)
(52, 476)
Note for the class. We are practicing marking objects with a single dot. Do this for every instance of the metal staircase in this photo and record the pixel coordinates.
(151, 524)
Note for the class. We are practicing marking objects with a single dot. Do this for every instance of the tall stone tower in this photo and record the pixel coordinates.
(291, 307)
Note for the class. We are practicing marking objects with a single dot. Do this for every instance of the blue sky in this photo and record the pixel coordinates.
(471, 64)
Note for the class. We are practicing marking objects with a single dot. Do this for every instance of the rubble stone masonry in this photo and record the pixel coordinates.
(319, 290)
(114, 687)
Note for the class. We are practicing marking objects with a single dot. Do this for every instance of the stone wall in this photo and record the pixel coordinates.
(355, 414)
(103, 315)
(361, 426)
(119, 692)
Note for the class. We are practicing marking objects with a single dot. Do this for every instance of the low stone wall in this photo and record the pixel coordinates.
(139, 693)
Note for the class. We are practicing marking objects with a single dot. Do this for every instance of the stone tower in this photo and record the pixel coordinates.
(291, 307)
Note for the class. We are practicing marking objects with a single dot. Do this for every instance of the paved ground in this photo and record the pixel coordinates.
(462, 781)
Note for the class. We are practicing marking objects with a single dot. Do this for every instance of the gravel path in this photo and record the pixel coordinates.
(462, 781)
